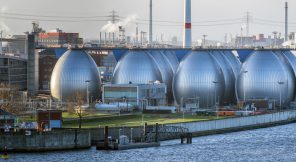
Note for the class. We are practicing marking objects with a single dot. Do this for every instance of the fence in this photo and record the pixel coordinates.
(238, 122)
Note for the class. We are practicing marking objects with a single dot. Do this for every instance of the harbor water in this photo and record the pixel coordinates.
(268, 144)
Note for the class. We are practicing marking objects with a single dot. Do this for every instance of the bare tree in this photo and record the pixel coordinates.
(77, 105)
(9, 100)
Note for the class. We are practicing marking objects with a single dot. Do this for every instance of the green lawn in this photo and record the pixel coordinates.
(100, 120)
(66, 116)
(135, 120)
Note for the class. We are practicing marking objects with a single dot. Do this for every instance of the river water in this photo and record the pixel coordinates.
(268, 144)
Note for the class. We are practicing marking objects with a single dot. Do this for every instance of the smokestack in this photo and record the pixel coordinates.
(150, 24)
(187, 25)
(286, 21)
(100, 38)
(137, 33)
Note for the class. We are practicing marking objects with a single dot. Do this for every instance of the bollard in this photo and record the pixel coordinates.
(106, 134)
(156, 132)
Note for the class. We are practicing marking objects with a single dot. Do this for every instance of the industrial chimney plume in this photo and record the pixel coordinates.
(187, 25)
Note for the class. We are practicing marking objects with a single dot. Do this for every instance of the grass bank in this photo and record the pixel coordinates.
(135, 120)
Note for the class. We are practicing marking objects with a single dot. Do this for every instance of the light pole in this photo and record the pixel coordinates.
(216, 82)
(245, 72)
(131, 135)
(87, 93)
(204, 40)
(281, 83)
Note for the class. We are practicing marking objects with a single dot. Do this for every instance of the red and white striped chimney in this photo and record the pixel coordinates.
(187, 26)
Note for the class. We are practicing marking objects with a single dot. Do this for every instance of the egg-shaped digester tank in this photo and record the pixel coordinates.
(229, 78)
(234, 62)
(75, 73)
(199, 76)
(136, 66)
(172, 59)
(265, 76)
(165, 69)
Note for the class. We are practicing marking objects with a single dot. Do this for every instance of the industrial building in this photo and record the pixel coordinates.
(13, 71)
(57, 38)
(151, 94)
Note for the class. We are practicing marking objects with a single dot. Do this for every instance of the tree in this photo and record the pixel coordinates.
(9, 100)
(78, 106)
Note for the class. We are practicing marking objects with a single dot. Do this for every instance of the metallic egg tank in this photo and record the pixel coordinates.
(172, 58)
(70, 74)
(229, 78)
(265, 76)
(234, 61)
(165, 69)
(136, 66)
(199, 75)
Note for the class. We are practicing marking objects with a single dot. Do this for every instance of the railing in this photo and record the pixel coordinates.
(163, 132)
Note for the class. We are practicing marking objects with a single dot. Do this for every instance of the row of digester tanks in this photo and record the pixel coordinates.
(213, 76)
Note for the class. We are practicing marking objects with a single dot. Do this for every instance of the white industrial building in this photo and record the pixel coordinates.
(142, 95)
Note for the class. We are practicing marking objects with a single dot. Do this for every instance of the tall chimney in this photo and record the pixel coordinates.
(286, 21)
(187, 26)
(150, 24)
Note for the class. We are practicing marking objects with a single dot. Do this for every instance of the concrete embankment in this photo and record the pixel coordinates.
(239, 124)
(46, 141)
(202, 128)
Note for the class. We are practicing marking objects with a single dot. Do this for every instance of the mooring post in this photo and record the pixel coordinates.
(106, 134)
(145, 129)
(156, 132)
(182, 140)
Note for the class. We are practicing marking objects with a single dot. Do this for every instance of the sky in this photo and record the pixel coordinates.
(214, 18)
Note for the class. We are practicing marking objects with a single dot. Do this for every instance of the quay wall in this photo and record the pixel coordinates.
(240, 123)
(46, 141)
(201, 128)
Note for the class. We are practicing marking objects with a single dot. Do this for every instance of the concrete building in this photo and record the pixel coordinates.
(153, 94)
(13, 71)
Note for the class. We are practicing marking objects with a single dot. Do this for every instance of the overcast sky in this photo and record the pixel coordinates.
(170, 11)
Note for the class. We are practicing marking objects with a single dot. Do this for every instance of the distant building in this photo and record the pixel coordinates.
(13, 72)
(153, 94)
(257, 40)
(58, 38)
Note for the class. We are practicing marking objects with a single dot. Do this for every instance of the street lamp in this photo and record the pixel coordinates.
(281, 83)
(87, 93)
(216, 82)
(244, 72)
